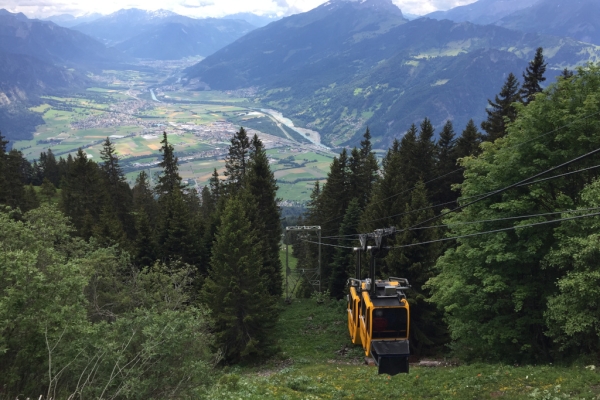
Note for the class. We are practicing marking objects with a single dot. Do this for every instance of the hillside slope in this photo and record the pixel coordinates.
(344, 66)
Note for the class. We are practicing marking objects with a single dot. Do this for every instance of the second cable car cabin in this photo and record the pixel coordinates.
(379, 320)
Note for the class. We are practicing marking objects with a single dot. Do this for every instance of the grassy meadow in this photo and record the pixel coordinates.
(318, 361)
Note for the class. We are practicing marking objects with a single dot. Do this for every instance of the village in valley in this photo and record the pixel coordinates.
(134, 108)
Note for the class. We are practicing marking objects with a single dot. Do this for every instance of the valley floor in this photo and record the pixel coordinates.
(319, 362)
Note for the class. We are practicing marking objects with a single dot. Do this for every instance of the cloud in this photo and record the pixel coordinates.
(196, 4)
(422, 7)
(201, 8)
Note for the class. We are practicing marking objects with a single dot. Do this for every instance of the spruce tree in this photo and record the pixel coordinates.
(236, 162)
(169, 180)
(446, 165)
(333, 202)
(82, 194)
(30, 199)
(143, 198)
(49, 167)
(48, 191)
(118, 191)
(469, 141)
(533, 77)
(343, 261)
(423, 159)
(368, 170)
(416, 263)
(501, 109)
(263, 187)
(242, 309)
(13, 191)
(566, 74)
(176, 236)
(145, 247)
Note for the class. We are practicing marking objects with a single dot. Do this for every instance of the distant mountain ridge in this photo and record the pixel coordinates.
(52, 43)
(164, 34)
(482, 12)
(40, 57)
(347, 65)
(69, 21)
(578, 19)
(257, 20)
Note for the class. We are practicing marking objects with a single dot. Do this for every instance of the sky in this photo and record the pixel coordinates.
(201, 8)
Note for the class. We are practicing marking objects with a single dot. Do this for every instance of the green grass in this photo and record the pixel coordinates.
(311, 366)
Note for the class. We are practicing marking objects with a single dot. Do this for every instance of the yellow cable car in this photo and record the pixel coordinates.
(381, 323)
(379, 319)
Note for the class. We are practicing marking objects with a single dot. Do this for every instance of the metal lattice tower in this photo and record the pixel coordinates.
(293, 277)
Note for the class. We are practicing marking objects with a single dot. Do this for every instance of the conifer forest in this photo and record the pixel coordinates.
(151, 291)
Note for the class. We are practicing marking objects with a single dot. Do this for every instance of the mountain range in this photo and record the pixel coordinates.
(346, 65)
(40, 57)
(482, 12)
(164, 35)
(69, 21)
(577, 19)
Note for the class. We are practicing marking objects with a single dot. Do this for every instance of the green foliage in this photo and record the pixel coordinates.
(572, 316)
(495, 289)
(76, 319)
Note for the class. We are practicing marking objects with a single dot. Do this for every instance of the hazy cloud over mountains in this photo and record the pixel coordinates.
(201, 8)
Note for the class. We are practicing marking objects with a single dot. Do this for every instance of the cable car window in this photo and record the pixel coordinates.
(389, 323)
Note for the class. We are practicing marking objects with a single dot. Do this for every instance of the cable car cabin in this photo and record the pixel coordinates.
(379, 319)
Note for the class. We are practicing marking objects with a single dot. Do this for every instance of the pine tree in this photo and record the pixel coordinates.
(263, 187)
(468, 142)
(169, 180)
(145, 247)
(30, 199)
(423, 160)
(501, 109)
(13, 192)
(533, 77)
(48, 191)
(243, 311)
(143, 198)
(236, 162)
(82, 194)
(332, 204)
(118, 191)
(49, 167)
(416, 263)
(176, 237)
(368, 170)
(446, 165)
(566, 74)
(343, 262)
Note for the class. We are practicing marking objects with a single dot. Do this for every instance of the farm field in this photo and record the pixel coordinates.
(199, 125)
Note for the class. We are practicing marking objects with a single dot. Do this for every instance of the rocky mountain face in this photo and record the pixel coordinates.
(347, 65)
(164, 35)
